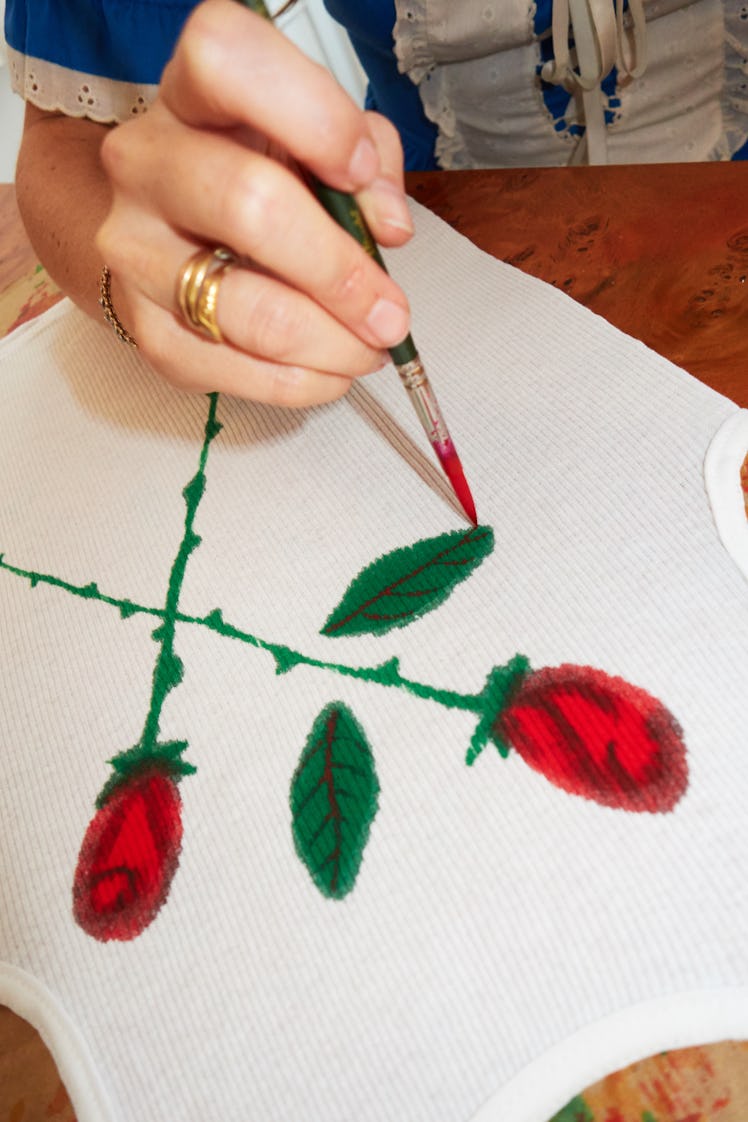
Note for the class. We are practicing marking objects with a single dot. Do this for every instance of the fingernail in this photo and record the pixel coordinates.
(389, 322)
(364, 163)
(390, 205)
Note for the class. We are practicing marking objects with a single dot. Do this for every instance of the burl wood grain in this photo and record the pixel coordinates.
(660, 251)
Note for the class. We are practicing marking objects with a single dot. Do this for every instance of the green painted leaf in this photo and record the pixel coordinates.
(406, 583)
(334, 794)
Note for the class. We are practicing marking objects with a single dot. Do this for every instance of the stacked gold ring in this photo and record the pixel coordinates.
(197, 289)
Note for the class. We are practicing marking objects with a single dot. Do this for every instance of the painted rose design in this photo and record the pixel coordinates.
(594, 735)
(588, 732)
(128, 857)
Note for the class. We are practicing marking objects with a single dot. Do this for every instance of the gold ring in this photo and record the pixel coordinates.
(197, 289)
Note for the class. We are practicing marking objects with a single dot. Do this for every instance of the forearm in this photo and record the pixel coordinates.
(64, 196)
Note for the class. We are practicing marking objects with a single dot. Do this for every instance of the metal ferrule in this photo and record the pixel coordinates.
(412, 374)
(415, 380)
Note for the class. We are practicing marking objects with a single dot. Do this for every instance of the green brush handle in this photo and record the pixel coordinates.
(347, 213)
(257, 6)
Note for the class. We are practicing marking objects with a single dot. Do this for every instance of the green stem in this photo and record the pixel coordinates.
(386, 674)
(85, 591)
(168, 670)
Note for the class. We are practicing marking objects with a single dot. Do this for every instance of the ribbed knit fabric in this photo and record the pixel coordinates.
(506, 941)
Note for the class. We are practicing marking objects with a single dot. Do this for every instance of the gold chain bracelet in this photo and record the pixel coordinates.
(105, 300)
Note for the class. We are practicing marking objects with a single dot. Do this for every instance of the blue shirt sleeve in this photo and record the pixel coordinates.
(125, 40)
(369, 24)
(131, 41)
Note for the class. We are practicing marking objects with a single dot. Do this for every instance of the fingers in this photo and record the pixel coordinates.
(195, 364)
(232, 67)
(213, 163)
(226, 194)
(256, 313)
(261, 316)
(383, 201)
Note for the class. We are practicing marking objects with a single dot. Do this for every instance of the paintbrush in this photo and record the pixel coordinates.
(347, 213)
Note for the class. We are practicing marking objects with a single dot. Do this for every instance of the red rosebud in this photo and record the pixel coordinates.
(128, 857)
(596, 736)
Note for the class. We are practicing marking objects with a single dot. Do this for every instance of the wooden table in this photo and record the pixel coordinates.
(662, 252)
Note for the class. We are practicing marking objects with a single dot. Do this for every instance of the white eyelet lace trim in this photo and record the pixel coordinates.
(478, 80)
(57, 89)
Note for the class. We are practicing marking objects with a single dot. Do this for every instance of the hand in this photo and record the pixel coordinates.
(213, 162)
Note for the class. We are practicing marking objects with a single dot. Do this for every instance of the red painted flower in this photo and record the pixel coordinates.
(129, 855)
(597, 736)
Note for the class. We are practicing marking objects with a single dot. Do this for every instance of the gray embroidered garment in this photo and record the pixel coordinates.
(666, 83)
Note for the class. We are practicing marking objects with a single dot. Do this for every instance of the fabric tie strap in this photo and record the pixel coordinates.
(599, 33)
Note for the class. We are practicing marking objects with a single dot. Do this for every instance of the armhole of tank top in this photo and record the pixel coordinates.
(32, 1000)
(679, 1020)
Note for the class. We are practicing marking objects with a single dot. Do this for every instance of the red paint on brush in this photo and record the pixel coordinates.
(450, 461)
